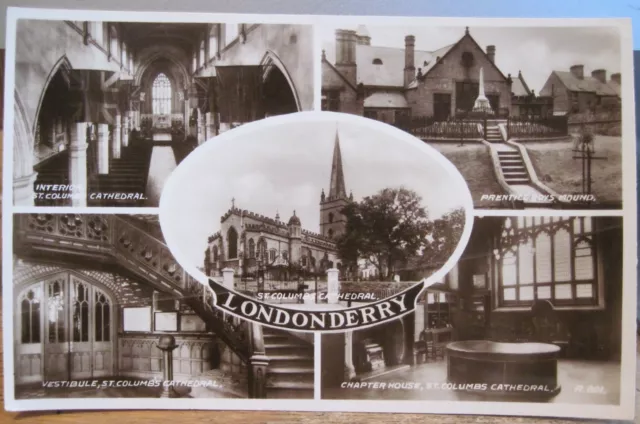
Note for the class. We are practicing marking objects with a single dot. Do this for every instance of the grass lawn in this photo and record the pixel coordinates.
(474, 163)
(557, 169)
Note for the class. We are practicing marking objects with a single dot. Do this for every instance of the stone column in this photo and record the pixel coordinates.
(200, 128)
(103, 149)
(23, 190)
(125, 129)
(116, 137)
(333, 286)
(187, 111)
(209, 130)
(349, 369)
(227, 278)
(132, 120)
(78, 164)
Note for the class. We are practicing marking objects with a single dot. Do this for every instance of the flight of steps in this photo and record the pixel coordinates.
(128, 174)
(493, 134)
(513, 167)
(290, 370)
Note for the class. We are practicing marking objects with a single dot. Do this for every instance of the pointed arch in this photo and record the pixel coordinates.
(161, 94)
(232, 243)
(21, 139)
(271, 59)
(144, 66)
(63, 64)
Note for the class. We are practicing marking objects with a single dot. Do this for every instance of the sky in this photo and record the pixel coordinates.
(283, 169)
(534, 51)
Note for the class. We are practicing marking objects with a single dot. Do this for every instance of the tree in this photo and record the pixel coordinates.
(443, 238)
(384, 229)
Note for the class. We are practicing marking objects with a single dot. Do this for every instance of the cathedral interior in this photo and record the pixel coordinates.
(104, 111)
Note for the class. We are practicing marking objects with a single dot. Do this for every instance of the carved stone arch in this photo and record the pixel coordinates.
(63, 64)
(271, 59)
(23, 149)
(144, 66)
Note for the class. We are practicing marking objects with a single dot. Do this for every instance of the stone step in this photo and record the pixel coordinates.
(516, 175)
(291, 370)
(517, 180)
(285, 349)
(509, 154)
(295, 385)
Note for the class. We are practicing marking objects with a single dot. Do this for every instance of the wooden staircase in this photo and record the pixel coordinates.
(291, 368)
(513, 167)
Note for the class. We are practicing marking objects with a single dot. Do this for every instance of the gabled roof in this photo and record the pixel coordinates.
(452, 48)
(391, 72)
(587, 84)
(331, 76)
(519, 86)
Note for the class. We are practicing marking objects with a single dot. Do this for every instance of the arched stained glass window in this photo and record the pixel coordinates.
(161, 95)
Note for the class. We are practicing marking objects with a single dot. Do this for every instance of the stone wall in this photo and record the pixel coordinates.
(442, 78)
(291, 44)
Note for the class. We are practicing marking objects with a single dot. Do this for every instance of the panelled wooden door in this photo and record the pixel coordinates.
(64, 331)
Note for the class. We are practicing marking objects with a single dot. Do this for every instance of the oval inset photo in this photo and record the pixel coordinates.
(316, 211)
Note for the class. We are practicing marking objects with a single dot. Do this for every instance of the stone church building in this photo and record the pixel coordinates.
(103, 111)
(386, 83)
(248, 240)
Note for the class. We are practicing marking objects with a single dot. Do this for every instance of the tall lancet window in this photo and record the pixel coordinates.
(161, 95)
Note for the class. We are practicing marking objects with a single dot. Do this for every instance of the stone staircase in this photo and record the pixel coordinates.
(291, 369)
(128, 174)
(493, 134)
(513, 167)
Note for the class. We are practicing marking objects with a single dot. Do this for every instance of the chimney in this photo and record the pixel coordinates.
(600, 75)
(616, 78)
(491, 53)
(346, 54)
(577, 71)
(409, 59)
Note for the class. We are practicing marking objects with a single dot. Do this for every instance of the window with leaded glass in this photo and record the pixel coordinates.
(30, 302)
(161, 95)
(331, 100)
(546, 258)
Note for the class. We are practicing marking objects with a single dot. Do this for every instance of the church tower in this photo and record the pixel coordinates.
(332, 222)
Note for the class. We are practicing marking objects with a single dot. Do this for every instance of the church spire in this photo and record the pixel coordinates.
(337, 189)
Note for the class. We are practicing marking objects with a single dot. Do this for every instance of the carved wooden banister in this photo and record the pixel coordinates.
(122, 243)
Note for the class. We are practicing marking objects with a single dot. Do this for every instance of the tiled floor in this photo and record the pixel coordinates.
(571, 373)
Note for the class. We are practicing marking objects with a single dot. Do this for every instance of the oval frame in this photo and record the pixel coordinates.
(179, 175)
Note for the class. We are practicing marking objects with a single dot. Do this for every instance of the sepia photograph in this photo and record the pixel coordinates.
(531, 312)
(102, 310)
(306, 211)
(531, 116)
(104, 111)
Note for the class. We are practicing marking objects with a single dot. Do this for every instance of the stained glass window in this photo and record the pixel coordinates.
(161, 95)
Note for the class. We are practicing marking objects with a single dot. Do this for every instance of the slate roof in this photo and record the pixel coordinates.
(587, 84)
(519, 86)
(389, 99)
(391, 72)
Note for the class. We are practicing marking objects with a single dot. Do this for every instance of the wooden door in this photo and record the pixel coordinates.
(56, 342)
(29, 317)
(441, 106)
(64, 331)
